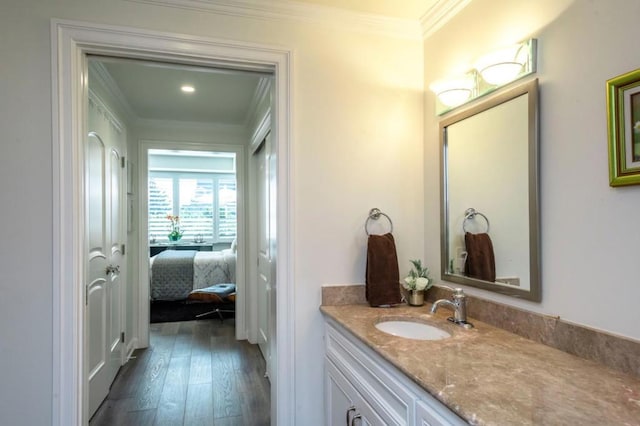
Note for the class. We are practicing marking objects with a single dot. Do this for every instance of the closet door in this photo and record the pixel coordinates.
(264, 252)
(105, 230)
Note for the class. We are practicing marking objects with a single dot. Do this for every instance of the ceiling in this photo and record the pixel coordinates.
(153, 90)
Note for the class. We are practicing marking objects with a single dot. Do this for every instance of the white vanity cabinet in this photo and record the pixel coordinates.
(346, 405)
(361, 388)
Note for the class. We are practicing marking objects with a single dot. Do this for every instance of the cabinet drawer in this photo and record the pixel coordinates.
(391, 400)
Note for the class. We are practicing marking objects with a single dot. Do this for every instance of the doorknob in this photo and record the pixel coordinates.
(112, 269)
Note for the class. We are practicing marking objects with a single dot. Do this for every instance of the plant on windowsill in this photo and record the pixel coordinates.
(175, 233)
(416, 283)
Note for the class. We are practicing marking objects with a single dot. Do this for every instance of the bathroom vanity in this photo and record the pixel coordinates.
(360, 385)
(482, 375)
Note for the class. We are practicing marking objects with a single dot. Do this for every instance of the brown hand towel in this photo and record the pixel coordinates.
(481, 263)
(383, 277)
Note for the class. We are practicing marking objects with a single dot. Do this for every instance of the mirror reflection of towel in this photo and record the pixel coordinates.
(383, 277)
(481, 263)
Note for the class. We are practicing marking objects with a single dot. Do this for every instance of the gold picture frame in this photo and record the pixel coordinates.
(623, 128)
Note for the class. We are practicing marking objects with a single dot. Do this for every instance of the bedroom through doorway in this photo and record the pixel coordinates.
(186, 201)
(192, 232)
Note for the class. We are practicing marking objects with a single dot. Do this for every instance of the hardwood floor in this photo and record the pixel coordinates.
(193, 373)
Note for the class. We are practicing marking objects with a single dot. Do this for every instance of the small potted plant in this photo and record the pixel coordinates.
(175, 233)
(416, 283)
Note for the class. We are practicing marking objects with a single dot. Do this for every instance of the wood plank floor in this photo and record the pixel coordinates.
(193, 373)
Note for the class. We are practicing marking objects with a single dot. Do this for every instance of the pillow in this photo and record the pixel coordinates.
(234, 245)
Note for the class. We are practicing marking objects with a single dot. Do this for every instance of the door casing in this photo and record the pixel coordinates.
(71, 41)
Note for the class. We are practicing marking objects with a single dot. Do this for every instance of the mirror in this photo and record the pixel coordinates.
(489, 194)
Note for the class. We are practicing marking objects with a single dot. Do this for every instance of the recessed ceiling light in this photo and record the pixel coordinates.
(187, 89)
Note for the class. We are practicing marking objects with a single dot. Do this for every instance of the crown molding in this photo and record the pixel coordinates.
(439, 14)
(259, 97)
(298, 11)
(101, 74)
(221, 128)
(104, 111)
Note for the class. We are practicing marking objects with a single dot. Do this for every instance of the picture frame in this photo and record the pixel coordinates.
(623, 128)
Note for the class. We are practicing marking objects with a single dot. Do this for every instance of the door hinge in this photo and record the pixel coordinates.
(123, 162)
(86, 296)
(122, 337)
(123, 249)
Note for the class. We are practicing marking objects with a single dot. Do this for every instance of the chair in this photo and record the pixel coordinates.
(221, 294)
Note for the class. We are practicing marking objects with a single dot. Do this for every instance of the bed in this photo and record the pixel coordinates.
(174, 274)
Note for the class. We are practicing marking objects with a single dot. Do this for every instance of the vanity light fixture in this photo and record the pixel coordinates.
(187, 88)
(455, 91)
(503, 65)
(490, 72)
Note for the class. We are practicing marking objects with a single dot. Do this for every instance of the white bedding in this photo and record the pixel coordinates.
(209, 268)
(213, 267)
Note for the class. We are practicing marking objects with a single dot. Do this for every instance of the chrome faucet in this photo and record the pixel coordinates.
(459, 306)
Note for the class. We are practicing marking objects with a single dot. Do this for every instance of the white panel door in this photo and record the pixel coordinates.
(105, 224)
(264, 253)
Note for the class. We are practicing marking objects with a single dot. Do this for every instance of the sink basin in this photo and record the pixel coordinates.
(412, 330)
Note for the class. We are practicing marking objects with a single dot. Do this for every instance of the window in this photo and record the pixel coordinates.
(205, 202)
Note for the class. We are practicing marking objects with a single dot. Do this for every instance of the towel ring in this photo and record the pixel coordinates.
(374, 214)
(470, 214)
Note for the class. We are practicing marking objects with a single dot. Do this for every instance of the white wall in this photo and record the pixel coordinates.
(589, 231)
(356, 134)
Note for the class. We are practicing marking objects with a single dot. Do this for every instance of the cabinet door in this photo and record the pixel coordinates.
(345, 405)
(339, 405)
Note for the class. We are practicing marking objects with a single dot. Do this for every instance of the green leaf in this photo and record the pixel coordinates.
(417, 264)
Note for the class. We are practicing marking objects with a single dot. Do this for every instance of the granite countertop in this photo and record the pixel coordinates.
(492, 377)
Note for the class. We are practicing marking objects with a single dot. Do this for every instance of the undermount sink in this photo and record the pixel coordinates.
(412, 330)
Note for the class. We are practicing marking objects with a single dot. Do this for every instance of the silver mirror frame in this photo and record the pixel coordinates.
(499, 97)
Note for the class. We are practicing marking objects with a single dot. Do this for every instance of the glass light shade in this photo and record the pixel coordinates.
(489, 73)
(454, 97)
(503, 65)
(455, 91)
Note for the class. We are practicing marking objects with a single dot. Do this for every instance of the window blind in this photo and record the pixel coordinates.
(206, 204)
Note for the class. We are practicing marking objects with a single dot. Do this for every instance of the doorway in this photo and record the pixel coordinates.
(195, 184)
(71, 45)
(219, 253)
